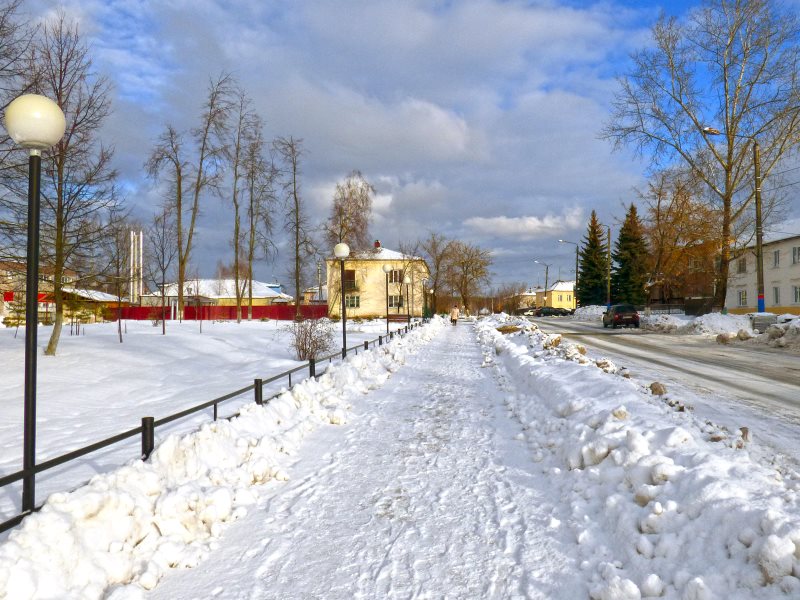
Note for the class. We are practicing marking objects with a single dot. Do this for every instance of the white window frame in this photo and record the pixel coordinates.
(776, 295)
(742, 296)
(795, 255)
(776, 258)
(396, 301)
(352, 301)
(796, 293)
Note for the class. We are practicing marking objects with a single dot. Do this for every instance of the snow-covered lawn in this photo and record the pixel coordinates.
(96, 387)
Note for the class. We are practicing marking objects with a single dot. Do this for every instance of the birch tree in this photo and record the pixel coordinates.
(296, 222)
(78, 190)
(731, 65)
(193, 168)
(351, 213)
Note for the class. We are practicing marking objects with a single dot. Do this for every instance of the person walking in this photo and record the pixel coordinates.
(454, 312)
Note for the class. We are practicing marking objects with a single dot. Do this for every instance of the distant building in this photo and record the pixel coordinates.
(781, 278)
(217, 292)
(560, 294)
(13, 281)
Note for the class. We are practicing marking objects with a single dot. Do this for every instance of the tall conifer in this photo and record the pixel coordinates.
(592, 282)
(629, 272)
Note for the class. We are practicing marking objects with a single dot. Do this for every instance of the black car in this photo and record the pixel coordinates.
(551, 311)
(621, 314)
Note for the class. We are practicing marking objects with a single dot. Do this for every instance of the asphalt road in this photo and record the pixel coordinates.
(761, 377)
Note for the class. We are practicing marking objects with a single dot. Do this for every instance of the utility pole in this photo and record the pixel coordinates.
(608, 274)
(759, 228)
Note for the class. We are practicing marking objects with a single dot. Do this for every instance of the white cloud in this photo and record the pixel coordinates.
(527, 228)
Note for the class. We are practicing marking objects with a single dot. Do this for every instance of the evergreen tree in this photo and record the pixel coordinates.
(629, 272)
(592, 283)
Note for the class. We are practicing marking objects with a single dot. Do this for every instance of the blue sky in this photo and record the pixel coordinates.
(478, 119)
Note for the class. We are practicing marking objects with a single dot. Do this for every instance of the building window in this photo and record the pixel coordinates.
(776, 295)
(776, 258)
(741, 265)
(350, 279)
(396, 301)
(352, 301)
(742, 297)
(796, 255)
(569, 297)
(560, 298)
(395, 276)
(796, 293)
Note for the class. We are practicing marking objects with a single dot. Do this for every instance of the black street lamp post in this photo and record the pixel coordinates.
(577, 247)
(386, 270)
(342, 251)
(36, 123)
(546, 274)
(407, 281)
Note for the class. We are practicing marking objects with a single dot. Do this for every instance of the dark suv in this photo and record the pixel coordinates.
(621, 314)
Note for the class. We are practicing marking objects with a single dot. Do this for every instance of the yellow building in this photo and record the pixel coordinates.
(367, 292)
(559, 295)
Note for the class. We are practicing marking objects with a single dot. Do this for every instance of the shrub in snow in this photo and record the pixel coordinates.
(311, 337)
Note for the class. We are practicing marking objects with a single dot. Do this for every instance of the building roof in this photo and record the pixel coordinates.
(93, 295)
(562, 286)
(222, 288)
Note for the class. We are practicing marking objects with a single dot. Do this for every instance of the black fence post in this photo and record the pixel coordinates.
(380, 340)
(312, 368)
(148, 436)
(259, 390)
(366, 345)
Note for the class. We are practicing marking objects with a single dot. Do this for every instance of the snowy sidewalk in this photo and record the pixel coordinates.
(429, 491)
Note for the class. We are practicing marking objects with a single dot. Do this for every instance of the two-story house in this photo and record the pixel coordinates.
(369, 288)
(781, 278)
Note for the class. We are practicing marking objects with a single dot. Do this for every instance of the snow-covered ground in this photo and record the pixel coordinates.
(414, 472)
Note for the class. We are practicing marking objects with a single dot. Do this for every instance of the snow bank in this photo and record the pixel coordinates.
(122, 531)
(589, 313)
(656, 503)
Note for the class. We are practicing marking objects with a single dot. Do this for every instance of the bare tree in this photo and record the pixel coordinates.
(15, 43)
(437, 249)
(351, 213)
(117, 252)
(467, 269)
(244, 118)
(733, 65)
(162, 237)
(196, 170)
(78, 189)
(289, 150)
(261, 176)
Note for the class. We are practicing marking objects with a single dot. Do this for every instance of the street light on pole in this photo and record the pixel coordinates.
(386, 270)
(36, 123)
(759, 226)
(424, 299)
(342, 251)
(546, 273)
(407, 281)
(577, 247)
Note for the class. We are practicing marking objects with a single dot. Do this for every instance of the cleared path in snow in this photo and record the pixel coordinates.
(427, 492)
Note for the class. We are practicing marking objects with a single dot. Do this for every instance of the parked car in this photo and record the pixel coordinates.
(551, 311)
(621, 314)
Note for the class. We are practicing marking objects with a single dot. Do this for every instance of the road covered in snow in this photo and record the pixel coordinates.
(482, 461)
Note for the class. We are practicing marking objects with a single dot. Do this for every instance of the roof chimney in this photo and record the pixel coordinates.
(377, 244)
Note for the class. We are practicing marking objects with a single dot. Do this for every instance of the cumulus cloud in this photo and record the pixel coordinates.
(529, 227)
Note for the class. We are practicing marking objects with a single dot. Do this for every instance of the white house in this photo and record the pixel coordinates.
(781, 278)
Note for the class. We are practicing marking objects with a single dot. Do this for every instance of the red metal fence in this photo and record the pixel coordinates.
(277, 312)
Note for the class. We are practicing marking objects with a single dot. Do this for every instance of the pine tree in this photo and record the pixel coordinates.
(592, 283)
(629, 272)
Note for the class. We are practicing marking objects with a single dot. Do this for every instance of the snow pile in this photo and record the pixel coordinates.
(123, 530)
(783, 334)
(655, 502)
(710, 324)
(589, 313)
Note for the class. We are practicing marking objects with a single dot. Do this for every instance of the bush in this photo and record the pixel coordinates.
(311, 337)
